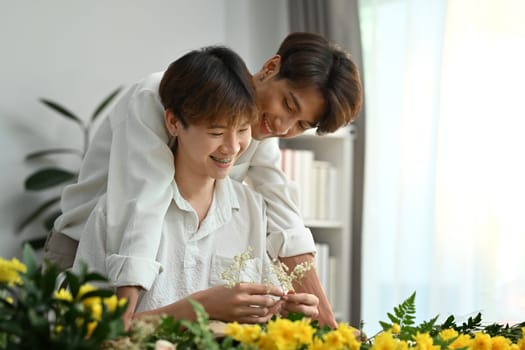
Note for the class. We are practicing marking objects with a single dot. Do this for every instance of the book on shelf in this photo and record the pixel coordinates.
(323, 266)
(317, 181)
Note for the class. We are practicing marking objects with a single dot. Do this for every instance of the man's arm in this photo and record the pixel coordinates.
(288, 238)
(310, 283)
(140, 173)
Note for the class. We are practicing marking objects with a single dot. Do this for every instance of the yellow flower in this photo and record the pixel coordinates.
(246, 334)
(83, 290)
(111, 303)
(481, 341)
(96, 311)
(500, 343)
(282, 332)
(303, 331)
(233, 329)
(122, 301)
(266, 342)
(334, 340)
(521, 342)
(318, 344)
(447, 334)
(424, 342)
(384, 341)
(462, 341)
(63, 294)
(349, 335)
(91, 303)
(10, 271)
(91, 328)
(396, 329)
(402, 345)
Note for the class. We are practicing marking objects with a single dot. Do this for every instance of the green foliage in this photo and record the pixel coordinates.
(57, 177)
(404, 316)
(194, 335)
(474, 324)
(32, 316)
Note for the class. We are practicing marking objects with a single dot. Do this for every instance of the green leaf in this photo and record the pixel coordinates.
(36, 213)
(404, 316)
(202, 315)
(47, 178)
(393, 318)
(61, 110)
(102, 293)
(50, 220)
(450, 322)
(385, 326)
(48, 282)
(428, 326)
(30, 260)
(36, 243)
(105, 103)
(95, 277)
(72, 282)
(46, 152)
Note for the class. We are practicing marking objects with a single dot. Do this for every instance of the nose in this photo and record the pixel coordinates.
(231, 144)
(283, 124)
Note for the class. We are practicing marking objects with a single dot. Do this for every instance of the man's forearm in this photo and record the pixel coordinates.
(310, 283)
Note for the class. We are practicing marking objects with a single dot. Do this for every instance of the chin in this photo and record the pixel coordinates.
(260, 135)
(220, 176)
(257, 137)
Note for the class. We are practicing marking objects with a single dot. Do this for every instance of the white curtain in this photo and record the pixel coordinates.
(444, 211)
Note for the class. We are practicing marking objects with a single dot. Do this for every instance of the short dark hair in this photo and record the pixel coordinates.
(208, 84)
(309, 59)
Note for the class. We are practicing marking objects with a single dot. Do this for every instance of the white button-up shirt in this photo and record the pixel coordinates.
(129, 160)
(190, 257)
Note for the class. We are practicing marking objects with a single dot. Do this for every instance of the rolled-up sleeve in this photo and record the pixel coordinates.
(141, 170)
(287, 235)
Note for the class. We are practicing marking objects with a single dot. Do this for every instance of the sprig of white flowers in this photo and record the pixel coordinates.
(231, 275)
(287, 279)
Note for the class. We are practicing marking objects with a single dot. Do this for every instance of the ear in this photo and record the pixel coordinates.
(270, 68)
(172, 122)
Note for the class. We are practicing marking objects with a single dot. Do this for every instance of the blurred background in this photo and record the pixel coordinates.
(438, 172)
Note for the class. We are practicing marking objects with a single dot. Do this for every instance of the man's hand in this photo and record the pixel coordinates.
(304, 303)
(244, 303)
(131, 293)
(311, 284)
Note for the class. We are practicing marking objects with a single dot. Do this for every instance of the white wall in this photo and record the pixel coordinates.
(76, 52)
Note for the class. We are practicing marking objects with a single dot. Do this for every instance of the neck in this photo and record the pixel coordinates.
(195, 188)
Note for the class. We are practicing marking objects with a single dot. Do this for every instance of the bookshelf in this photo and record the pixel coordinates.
(331, 226)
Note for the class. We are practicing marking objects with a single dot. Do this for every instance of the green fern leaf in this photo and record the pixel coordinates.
(393, 318)
(385, 326)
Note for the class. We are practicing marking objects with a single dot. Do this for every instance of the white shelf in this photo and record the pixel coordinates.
(336, 149)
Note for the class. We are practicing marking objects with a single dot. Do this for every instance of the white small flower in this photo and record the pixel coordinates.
(232, 274)
(164, 345)
(278, 269)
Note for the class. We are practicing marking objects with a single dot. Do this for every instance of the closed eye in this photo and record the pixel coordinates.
(287, 105)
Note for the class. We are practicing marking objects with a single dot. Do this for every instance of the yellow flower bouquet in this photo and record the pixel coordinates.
(36, 314)
(299, 333)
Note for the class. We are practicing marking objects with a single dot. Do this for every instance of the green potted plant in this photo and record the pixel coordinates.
(48, 177)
